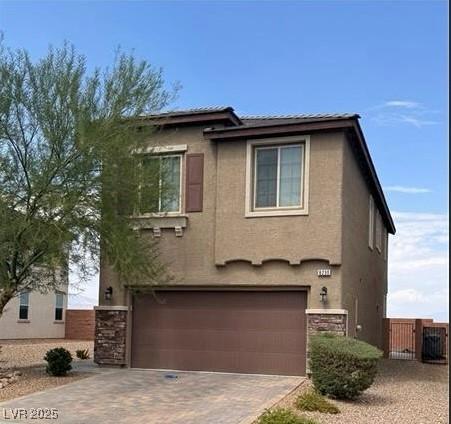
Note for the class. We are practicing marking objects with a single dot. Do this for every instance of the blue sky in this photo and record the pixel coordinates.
(386, 60)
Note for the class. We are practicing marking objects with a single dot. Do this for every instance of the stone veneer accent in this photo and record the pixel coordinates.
(110, 337)
(330, 323)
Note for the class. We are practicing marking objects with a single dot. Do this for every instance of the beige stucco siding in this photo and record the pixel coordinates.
(41, 318)
(255, 251)
(364, 270)
(293, 238)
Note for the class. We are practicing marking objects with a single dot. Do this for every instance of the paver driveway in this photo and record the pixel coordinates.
(144, 396)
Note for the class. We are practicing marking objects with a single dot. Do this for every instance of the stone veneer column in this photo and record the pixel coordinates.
(326, 321)
(110, 335)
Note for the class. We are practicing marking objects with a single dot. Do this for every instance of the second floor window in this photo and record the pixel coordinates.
(371, 219)
(24, 303)
(378, 232)
(278, 176)
(160, 186)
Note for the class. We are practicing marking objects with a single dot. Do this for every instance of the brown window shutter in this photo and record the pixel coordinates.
(194, 182)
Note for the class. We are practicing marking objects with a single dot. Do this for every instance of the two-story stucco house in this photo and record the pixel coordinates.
(278, 230)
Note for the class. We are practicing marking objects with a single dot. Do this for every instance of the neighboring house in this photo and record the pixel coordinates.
(278, 230)
(34, 315)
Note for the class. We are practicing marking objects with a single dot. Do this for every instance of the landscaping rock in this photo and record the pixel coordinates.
(8, 376)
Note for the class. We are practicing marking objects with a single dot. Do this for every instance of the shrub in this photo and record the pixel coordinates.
(82, 353)
(342, 367)
(311, 400)
(282, 416)
(58, 361)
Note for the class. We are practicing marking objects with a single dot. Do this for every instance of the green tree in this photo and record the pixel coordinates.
(68, 180)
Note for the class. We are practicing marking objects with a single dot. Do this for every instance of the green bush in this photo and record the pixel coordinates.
(282, 416)
(311, 400)
(58, 361)
(82, 353)
(342, 367)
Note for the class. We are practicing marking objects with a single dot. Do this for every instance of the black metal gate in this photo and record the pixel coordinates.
(402, 340)
(435, 344)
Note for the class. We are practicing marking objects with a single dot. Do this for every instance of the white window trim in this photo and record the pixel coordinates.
(371, 216)
(250, 212)
(139, 214)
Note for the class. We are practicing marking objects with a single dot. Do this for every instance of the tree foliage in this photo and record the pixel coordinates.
(66, 168)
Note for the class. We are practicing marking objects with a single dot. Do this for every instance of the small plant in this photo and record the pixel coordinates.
(82, 353)
(342, 367)
(282, 416)
(58, 361)
(311, 400)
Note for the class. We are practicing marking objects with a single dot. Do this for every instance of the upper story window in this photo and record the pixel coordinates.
(385, 244)
(24, 305)
(160, 185)
(59, 306)
(378, 232)
(371, 219)
(277, 177)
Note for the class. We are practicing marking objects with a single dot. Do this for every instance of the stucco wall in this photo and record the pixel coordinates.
(221, 233)
(41, 318)
(364, 270)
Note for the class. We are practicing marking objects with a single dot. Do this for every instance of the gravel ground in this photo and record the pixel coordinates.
(25, 353)
(405, 392)
(35, 379)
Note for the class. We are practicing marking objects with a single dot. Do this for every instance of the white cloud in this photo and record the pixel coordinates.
(394, 112)
(402, 104)
(409, 190)
(418, 266)
(416, 121)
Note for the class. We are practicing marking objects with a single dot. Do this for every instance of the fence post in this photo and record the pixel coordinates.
(386, 337)
(418, 339)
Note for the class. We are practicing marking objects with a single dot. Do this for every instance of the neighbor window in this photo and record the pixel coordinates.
(24, 303)
(160, 184)
(278, 174)
(371, 223)
(59, 304)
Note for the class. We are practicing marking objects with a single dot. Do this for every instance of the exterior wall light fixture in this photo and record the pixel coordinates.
(108, 293)
(323, 294)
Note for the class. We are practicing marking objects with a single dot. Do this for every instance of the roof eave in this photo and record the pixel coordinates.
(226, 115)
(273, 129)
(377, 184)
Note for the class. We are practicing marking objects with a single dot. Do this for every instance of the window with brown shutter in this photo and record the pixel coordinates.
(194, 182)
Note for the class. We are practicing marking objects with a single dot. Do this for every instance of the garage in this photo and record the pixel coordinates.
(261, 332)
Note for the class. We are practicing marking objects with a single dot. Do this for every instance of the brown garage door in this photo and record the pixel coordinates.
(229, 331)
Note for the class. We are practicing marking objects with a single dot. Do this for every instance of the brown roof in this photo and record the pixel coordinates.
(261, 119)
(215, 114)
